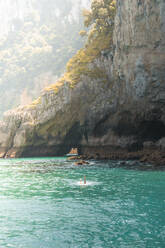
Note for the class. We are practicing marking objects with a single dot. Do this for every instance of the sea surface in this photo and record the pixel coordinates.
(43, 204)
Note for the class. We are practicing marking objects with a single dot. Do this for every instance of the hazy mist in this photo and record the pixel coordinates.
(36, 40)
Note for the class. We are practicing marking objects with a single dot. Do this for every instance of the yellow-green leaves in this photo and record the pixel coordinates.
(82, 33)
(100, 20)
(99, 37)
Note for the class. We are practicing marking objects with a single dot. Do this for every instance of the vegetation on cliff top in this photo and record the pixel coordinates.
(100, 19)
(99, 22)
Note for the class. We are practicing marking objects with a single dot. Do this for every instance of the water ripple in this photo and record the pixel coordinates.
(42, 204)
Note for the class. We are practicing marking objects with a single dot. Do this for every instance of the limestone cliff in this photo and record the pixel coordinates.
(124, 113)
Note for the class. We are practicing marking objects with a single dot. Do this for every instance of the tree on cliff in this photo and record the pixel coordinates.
(100, 22)
(101, 16)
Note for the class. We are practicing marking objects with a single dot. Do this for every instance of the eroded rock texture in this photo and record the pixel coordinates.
(120, 113)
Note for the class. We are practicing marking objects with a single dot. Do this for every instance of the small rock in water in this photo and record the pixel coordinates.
(73, 158)
(81, 162)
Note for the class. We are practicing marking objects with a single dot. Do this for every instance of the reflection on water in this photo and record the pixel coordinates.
(43, 204)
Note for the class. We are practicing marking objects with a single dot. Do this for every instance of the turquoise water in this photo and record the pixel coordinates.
(43, 205)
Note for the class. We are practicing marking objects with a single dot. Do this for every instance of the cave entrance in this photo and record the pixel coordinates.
(151, 130)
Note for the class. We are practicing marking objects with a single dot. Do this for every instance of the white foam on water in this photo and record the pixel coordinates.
(88, 183)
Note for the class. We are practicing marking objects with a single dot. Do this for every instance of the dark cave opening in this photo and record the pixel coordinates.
(151, 130)
(72, 140)
(101, 127)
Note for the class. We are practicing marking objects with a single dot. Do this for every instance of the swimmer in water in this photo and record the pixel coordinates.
(85, 182)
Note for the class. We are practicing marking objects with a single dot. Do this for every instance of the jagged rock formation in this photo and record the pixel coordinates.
(123, 114)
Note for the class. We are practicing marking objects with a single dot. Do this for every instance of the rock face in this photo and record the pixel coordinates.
(124, 113)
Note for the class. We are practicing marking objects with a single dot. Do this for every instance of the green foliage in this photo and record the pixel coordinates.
(34, 103)
(99, 38)
(38, 44)
(82, 33)
(100, 19)
(33, 50)
(55, 87)
(101, 14)
(41, 44)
